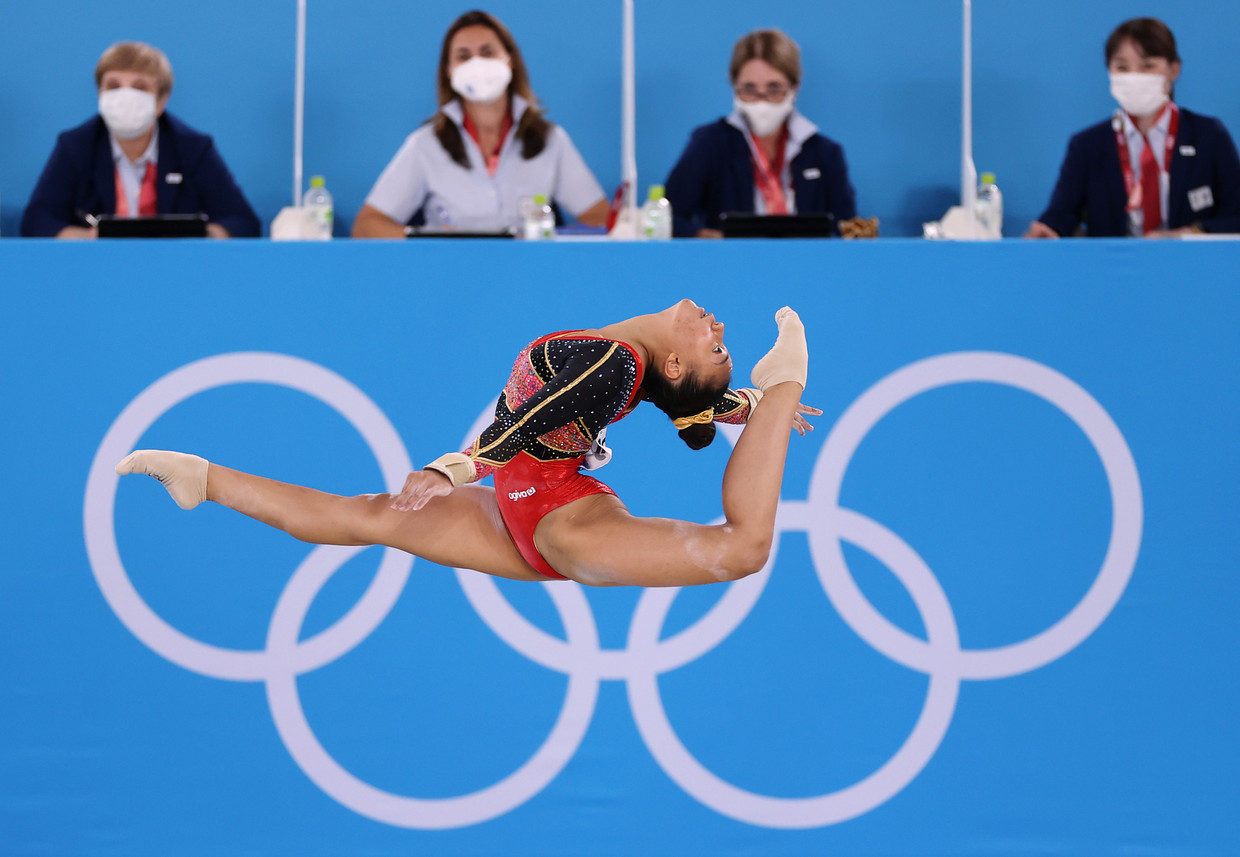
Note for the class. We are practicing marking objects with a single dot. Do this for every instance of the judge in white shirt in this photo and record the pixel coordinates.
(486, 149)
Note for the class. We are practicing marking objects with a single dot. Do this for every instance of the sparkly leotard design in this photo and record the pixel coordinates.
(564, 389)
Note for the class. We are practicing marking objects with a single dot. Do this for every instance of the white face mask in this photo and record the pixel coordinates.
(481, 79)
(764, 117)
(129, 113)
(1140, 94)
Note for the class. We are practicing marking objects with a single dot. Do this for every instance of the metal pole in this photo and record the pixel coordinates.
(628, 120)
(299, 103)
(968, 172)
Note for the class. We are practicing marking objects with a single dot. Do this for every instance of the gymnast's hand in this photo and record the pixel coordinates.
(800, 423)
(420, 487)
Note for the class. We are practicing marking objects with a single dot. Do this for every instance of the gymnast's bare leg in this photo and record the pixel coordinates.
(595, 540)
(463, 529)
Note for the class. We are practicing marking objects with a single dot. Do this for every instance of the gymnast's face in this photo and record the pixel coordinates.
(698, 344)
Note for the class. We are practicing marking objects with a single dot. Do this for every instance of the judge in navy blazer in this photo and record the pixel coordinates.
(1090, 191)
(714, 175)
(764, 137)
(86, 167)
(1198, 168)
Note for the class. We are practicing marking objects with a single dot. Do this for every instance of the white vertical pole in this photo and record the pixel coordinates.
(299, 103)
(628, 119)
(968, 172)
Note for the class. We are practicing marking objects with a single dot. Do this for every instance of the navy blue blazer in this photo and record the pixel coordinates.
(80, 179)
(715, 175)
(1090, 190)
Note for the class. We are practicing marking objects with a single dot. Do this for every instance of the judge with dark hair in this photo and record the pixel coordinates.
(487, 147)
(1153, 169)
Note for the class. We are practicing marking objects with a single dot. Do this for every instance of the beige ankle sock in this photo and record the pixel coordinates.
(185, 476)
(788, 359)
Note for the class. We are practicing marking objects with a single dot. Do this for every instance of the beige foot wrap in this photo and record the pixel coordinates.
(788, 359)
(185, 476)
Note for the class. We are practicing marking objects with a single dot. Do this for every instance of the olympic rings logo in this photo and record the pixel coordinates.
(646, 656)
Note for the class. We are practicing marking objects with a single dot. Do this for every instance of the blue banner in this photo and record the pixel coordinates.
(998, 616)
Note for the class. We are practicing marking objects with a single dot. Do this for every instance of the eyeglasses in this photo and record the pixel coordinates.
(770, 92)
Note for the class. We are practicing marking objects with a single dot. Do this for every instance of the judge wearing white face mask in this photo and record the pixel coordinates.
(486, 148)
(1154, 169)
(765, 157)
(134, 159)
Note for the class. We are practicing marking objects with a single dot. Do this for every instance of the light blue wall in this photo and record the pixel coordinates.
(881, 77)
(1120, 741)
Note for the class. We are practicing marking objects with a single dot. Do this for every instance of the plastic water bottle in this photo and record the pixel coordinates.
(537, 219)
(656, 216)
(320, 216)
(989, 207)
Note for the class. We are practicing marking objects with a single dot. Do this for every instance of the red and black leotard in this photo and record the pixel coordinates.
(565, 388)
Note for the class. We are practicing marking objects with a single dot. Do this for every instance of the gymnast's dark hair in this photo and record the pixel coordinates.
(687, 398)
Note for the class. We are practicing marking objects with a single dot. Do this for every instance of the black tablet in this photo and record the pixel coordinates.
(159, 226)
(749, 225)
(444, 232)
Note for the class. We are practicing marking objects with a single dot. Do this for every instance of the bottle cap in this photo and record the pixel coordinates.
(657, 191)
(317, 181)
(540, 199)
(988, 178)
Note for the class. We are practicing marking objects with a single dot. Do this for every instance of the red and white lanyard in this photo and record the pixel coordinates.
(1125, 159)
(491, 158)
(148, 194)
(768, 176)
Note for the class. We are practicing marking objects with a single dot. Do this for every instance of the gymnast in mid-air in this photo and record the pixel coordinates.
(545, 519)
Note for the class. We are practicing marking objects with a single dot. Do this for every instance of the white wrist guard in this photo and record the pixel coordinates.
(457, 466)
(752, 395)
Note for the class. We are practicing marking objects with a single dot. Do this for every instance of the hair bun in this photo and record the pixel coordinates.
(698, 435)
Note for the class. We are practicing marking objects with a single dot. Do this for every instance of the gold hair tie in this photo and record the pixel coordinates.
(707, 416)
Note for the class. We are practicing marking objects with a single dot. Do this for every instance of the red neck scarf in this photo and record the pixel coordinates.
(146, 196)
(768, 174)
(1147, 194)
(492, 158)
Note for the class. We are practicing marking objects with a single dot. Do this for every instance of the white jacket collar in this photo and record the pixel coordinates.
(454, 111)
(800, 129)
